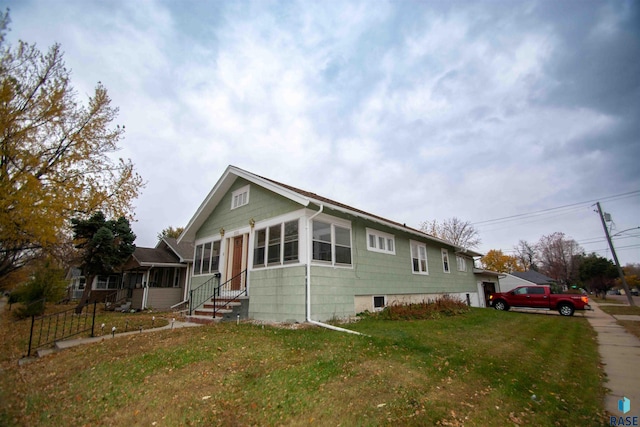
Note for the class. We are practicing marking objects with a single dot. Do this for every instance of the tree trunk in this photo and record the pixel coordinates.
(85, 294)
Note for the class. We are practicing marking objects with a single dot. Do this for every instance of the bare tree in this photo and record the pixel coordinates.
(459, 233)
(558, 257)
(525, 252)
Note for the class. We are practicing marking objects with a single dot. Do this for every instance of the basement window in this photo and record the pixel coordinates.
(379, 302)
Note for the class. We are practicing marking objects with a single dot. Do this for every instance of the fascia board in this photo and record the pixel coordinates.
(220, 189)
(162, 264)
(383, 222)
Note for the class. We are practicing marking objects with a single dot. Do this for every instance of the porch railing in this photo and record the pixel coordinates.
(203, 293)
(114, 298)
(212, 290)
(229, 292)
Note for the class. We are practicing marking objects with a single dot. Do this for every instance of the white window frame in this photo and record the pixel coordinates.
(281, 261)
(373, 302)
(446, 262)
(202, 244)
(333, 224)
(110, 279)
(462, 263)
(418, 245)
(378, 241)
(240, 197)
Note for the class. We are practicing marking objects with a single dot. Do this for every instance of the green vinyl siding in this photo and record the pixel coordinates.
(278, 294)
(263, 204)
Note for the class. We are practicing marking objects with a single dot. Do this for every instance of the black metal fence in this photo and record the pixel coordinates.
(47, 329)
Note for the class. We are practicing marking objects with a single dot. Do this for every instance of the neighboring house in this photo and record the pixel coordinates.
(524, 278)
(299, 256)
(76, 283)
(158, 277)
(151, 278)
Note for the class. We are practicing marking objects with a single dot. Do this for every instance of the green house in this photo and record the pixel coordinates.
(294, 256)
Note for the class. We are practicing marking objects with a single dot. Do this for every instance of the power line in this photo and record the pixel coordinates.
(571, 207)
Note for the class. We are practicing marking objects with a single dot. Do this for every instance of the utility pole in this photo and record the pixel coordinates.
(615, 257)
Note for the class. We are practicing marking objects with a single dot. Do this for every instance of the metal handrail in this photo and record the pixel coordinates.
(59, 326)
(202, 293)
(229, 293)
(214, 294)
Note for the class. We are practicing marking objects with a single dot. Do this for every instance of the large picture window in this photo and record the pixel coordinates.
(419, 258)
(276, 245)
(207, 258)
(331, 243)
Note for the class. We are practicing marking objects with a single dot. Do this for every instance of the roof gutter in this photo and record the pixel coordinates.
(309, 255)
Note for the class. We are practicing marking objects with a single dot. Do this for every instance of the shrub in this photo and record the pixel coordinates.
(443, 306)
(46, 284)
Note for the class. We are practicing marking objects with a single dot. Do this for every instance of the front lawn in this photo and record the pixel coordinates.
(483, 368)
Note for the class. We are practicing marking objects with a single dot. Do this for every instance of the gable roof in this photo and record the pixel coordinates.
(154, 256)
(533, 277)
(184, 250)
(302, 197)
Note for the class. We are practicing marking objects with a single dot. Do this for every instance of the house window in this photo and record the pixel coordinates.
(419, 258)
(462, 263)
(207, 258)
(107, 282)
(445, 260)
(331, 243)
(379, 302)
(240, 197)
(276, 245)
(377, 241)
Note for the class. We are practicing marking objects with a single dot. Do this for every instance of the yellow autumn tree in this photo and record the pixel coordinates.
(496, 260)
(55, 153)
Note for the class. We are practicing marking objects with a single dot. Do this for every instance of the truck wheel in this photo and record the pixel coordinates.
(566, 310)
(500, 305)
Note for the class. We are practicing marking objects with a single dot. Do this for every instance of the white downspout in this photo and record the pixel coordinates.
(309, 256)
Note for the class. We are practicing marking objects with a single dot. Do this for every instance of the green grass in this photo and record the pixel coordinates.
(479, 368)
(621, 309)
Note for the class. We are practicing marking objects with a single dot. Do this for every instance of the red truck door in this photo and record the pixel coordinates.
(530, 296)
(538, 297)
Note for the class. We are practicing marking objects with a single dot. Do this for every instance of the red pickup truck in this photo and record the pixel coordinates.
(540, 298)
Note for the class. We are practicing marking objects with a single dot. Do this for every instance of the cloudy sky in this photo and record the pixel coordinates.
(514, 115)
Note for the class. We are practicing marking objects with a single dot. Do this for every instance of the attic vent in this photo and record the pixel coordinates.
(240, 197)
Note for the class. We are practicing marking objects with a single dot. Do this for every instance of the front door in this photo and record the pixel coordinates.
(489, 288)
(236, 266)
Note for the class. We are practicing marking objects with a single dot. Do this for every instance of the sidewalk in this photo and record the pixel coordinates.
(61, 345)
(620, 354)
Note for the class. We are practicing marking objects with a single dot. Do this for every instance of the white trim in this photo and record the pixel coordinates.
(240, 197)
(426, 257)
(333, 223)
(373, 302)
(386, 238)
(461, 263)
(446, 266)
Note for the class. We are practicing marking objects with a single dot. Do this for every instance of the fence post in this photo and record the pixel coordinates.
(190, 301)
(93, 320)
(33, 319)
